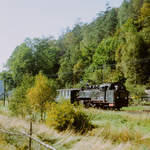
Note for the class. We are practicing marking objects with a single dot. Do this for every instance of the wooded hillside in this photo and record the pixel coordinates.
(113, 47)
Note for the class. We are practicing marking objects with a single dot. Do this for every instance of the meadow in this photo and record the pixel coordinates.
(126, 130)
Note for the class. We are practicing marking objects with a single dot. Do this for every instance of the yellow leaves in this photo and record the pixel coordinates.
(145, 15)
(78, 68)
(64, 116)
(2, 140)
(61, 115)
(145, 10)
(41, 93)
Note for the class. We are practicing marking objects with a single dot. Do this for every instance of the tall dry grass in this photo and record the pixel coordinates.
(113, 131)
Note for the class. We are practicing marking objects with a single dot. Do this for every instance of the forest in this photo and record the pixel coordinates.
(114, 47)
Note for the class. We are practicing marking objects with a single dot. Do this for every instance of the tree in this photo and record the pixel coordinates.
(144, 21)
(78, 71)
(42, 93)
(20, 63)
(71, 48)
(19, 104)
(46, 56)
(108, 22)
(129, 10)
(33, 56)
(134, 56)
(65, 73)
(105, 52)
(103, 60)
(7, 77)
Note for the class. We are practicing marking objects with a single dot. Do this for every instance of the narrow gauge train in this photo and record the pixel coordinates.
(107, 95)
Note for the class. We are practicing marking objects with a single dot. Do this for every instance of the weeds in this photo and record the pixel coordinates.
(121, 127)
(113, 131)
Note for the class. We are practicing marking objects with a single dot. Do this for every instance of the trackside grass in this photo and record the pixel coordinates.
(121, 126)
(136, 108)
(113, 130)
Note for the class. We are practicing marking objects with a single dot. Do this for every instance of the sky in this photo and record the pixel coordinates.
(20, 19)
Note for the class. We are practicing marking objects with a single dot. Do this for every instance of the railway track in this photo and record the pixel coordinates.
(146, 109)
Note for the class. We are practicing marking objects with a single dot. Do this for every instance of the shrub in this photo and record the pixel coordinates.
(60, 115)
(81, 121)
(64, 116)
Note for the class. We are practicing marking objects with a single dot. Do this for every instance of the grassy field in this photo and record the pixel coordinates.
(128, 129)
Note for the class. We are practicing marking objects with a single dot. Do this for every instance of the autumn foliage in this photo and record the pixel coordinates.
(42, 93)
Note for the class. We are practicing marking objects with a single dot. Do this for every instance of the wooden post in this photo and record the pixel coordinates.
(30, 139)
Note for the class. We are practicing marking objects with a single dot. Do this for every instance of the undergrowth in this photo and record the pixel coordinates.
(64, 116)
(121, 127)
(112, 130)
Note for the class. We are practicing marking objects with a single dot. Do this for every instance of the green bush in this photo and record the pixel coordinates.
(19, 105)
(64, 116)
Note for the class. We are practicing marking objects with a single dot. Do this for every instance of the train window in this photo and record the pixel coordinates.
(111, 87)
(68, 93)
(61, 93)
(104, 88)
(58, 94)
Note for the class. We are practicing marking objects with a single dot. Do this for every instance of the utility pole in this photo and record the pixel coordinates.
(4, 90)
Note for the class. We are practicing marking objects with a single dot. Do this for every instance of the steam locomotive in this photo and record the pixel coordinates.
(107, 95)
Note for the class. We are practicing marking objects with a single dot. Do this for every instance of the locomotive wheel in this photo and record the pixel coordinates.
(87, 105)
(118, 108)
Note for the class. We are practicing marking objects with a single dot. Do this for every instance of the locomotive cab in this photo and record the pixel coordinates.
(121, 97)
(117, 95)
